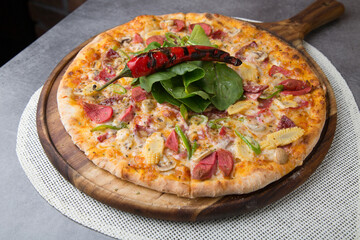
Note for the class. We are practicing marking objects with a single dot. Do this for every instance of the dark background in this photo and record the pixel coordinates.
(17, 28)
(23, 21)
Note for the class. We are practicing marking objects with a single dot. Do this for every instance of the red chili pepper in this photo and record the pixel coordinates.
(147, 63)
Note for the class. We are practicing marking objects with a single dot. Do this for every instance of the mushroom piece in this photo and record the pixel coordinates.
(281, 156)
(256, 128)
(148, 104)
(260, 56)
(125, 40)
(166, 164)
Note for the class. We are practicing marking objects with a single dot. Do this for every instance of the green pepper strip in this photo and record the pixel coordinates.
(184, 140)
(213, 123)
(194, 147)
(184, 40)
(117, 88)
(124, 53)
(203, 118)
(170, 37)
(255, 146)
(104, 127)
(184, 112)
(279, 89)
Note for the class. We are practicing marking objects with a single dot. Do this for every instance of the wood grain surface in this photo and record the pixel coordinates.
(106, 188)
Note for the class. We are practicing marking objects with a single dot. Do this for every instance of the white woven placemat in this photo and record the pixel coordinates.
(326, 206)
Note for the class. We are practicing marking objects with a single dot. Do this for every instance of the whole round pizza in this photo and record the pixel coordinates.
(197, 105)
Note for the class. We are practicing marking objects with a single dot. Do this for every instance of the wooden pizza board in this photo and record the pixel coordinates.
(106, 188)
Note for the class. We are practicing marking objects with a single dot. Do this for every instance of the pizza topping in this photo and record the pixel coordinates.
(240, 107)
(285, 104)
(277, 89)
(222, 131)
(259, 56)
(297, 93)
(240, 53)
(295, 87)
(225, 161)
(102, 137)
(138, 94)
(198, 119)
(184, 140)
(282, 137)
(112, 54)
(252, 96)
(205, 168)
(148, 105)
(180, 24)
(242, 151)
(172, 142)
(156, 38)
(184, 112)
(301, 104)
(165, 164)
(106, 74)
(285, 122)
(206, 27)
(128, 115)
(252, 144)
(249, 71)
(255, 88)
(153, 148)
(137, 38)
(98, 113)
(218, 34)
(118, 89)
(105, 126)
(281, 156)
(265, 103)
(275, 69)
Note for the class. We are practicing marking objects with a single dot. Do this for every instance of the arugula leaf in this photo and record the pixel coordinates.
(162, 96)
(146, 82)
(190, 72)
(176, 88)
(198, 37)
(208, 82)
(196, 104)
(228, 87)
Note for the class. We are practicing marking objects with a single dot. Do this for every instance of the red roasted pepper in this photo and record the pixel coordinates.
(161, 58)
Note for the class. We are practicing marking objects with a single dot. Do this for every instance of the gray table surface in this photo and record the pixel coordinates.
(24, 213)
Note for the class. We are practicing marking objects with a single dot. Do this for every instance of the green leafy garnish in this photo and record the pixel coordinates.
(161, 95)
(198, 37)
(194, 84)
(146, 82)
(104, 127)
(135, 82)
(252, 144)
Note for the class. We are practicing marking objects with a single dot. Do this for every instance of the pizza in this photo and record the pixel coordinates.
(197, 105)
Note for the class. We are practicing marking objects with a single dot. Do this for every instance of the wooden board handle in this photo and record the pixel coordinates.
(316, 15)
(294, 29)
